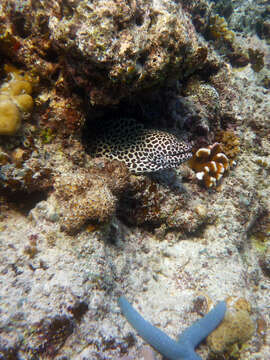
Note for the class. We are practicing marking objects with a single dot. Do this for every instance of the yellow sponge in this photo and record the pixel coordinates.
(10, 117)
(18, 87)
(15, 100)
(24, 102)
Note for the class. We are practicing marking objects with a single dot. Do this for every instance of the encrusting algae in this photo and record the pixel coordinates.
(235, 330)
(230, 143)
(218, 29)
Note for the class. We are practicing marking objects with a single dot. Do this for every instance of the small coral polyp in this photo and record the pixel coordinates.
(210, 164)
(15, 100)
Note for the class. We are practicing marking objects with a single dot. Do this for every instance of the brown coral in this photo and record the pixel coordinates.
(85, 197)
(152, 206)
(49, 335)
(210, 164)
(236, 328)
(230, 143)
(218, 29)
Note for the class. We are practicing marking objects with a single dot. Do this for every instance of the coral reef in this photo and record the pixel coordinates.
(156, 206)
(206, 101)
(230, 143)
(30, 177)
(204, 94)
(49, 336)
(263, 29)
(260, 232)
(210, 164)
(61, 115)
(18, 44)
(264, 262)
(89, 198)
(76, 232)
(256, 58)
(212, 20)
(110, 48)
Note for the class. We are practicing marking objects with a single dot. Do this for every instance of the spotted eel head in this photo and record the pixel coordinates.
(165, 150)
(142, 150)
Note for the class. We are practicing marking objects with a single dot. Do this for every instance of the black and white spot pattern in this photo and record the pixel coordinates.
(142, 150)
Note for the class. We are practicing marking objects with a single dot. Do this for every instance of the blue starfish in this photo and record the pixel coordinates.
(183, 348)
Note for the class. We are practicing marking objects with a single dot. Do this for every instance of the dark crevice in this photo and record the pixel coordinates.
(22, 201)
(67, 10)
(78, 310)
(142, 58)
(20, 25)
(139, 19)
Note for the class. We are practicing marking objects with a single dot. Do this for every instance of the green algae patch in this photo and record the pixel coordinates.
(260, 241)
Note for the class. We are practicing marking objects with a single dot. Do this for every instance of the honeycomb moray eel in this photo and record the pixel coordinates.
(142, 150)
(183, 348)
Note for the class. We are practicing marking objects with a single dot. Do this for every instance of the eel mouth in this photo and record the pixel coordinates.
(186, 152)
(172, 159)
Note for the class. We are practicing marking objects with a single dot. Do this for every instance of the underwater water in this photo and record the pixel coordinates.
(134, 179)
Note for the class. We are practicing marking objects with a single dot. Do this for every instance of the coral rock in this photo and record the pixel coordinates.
(236, 328)
(114, 48)
(230, 143)
(153, 206)
(84, 197)
(83, 201)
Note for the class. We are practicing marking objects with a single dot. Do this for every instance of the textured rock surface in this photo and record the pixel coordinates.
(236, 329)
(114, 48)
(165, 242)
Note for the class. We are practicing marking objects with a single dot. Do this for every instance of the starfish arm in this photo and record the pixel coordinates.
(155, 337)
(203, 327)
